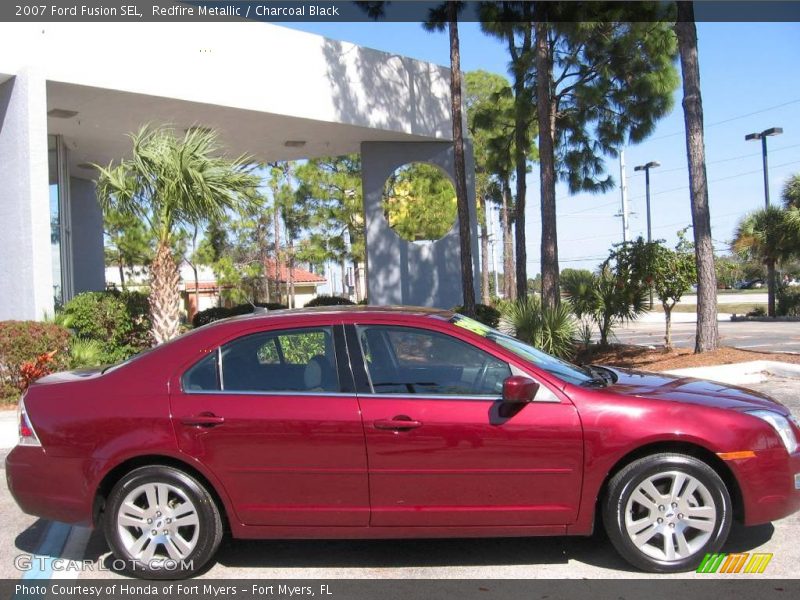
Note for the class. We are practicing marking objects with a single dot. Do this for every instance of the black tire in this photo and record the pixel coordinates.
(183, 490)
(664, 472)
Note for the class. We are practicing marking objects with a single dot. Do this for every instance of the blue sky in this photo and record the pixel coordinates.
(749, 83)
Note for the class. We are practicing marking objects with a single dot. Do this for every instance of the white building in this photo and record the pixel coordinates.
(70, 92)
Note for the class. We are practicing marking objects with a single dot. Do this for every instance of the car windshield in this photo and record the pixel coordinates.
(555, 366)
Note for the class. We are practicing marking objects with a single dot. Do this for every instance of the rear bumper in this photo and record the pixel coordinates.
(768, 484)
(51, 488)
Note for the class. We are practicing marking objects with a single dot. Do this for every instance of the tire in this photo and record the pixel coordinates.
(664, 512)
(161, 523)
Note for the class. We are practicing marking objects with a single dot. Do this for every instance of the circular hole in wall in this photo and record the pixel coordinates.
(419, 202)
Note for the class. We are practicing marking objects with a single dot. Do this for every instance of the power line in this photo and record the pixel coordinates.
(722, 160)
(686, 187)
(728, 120)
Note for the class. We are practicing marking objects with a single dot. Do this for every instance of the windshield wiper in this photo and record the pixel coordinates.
(599, 377)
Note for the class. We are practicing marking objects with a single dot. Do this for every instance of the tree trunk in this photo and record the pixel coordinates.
(485, 296)
(121, 274)
(357, 277)
(771, 288)
(345, 293)
(707, 336)
(546, 117)
(165, 296)
(509, 279)
(668, 320)
(276, 224)
(521, 144)
(196, 289)
(468, 284)
(290, 283)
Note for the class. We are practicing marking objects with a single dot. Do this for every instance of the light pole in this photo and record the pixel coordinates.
(646, 168)
(763, 137)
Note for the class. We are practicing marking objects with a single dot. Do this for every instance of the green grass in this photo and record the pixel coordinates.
(740, 308)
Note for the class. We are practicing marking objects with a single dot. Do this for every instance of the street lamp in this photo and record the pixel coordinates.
(646, 168)
(763, 137)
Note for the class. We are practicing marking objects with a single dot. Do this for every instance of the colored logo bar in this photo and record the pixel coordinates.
(740, 562)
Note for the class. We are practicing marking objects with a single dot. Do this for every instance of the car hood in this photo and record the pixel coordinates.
(665, 387)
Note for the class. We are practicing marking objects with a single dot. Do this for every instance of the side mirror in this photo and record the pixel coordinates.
(519, 390)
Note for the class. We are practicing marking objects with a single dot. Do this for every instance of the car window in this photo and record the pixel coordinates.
(406, 360)
(297, 360)
(203, 376)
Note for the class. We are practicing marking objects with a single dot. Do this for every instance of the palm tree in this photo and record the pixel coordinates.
(707, 336)
(791, 192)
(767, 235)
(172, 184)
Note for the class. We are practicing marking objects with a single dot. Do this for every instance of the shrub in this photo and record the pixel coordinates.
(329, 301)
(85, 353)
(488, 315)
(118, 321)
(604, 299)
(215, 313)
(551, 330)
(788, 302)
(24, 342)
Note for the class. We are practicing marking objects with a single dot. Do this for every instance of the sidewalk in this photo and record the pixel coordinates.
(8, 429)
(656, 316)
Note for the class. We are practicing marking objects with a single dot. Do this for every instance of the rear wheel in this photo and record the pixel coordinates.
(161, 523)
(664, 512)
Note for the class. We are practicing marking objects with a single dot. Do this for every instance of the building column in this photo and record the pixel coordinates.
(411, 273)
(86, 225)
(26, 280)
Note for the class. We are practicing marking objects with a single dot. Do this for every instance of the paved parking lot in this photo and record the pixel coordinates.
(780, 336)
(558, 558)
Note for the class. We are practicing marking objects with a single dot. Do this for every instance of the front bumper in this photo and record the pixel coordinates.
(769, 485)
(51, 488)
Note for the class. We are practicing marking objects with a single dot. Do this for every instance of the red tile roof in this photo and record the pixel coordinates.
(299, 275)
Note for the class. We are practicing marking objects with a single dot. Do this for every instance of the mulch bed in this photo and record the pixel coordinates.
(639, 357)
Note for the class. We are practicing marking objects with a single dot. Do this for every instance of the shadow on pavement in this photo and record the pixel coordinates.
(596, 551)
(29, 540)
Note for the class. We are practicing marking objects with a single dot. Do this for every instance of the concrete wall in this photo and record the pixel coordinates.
(88, 265)
(412, 273)
(26, 280)
(297, 74)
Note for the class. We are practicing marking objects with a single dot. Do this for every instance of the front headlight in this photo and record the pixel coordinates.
(781, 426)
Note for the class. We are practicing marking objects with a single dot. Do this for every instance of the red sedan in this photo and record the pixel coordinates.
(393, 423)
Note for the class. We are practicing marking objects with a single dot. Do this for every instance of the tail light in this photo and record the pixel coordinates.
(27, 435)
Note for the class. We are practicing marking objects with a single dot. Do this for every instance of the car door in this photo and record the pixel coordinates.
(274, 416)
(440, 452)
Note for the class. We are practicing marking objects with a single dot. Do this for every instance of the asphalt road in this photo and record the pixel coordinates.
(526, 558)
(780, 336)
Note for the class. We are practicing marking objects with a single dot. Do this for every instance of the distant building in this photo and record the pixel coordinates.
(209, 292)
(71, 92)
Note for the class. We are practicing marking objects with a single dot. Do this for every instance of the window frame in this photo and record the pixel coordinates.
(363, 379)
(341, 365)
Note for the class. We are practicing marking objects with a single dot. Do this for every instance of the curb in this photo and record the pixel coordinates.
(742, 373)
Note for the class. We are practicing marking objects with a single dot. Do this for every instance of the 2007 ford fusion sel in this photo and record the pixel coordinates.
(394, 423)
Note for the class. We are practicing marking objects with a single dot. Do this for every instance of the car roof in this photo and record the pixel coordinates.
(418, 311)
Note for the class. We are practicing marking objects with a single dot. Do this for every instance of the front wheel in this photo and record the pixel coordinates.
(161, 523)
(664, 512)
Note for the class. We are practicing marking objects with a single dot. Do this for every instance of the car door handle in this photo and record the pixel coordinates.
(397, 424)
(203, 420)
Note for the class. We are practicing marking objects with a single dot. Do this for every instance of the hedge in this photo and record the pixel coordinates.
(24, 341)
(329, 301)
(118, 320)
(209, 315)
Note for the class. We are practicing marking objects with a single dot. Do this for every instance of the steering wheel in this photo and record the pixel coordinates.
(481, 376)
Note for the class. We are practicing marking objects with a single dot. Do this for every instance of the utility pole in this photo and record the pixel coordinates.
(623, 186)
